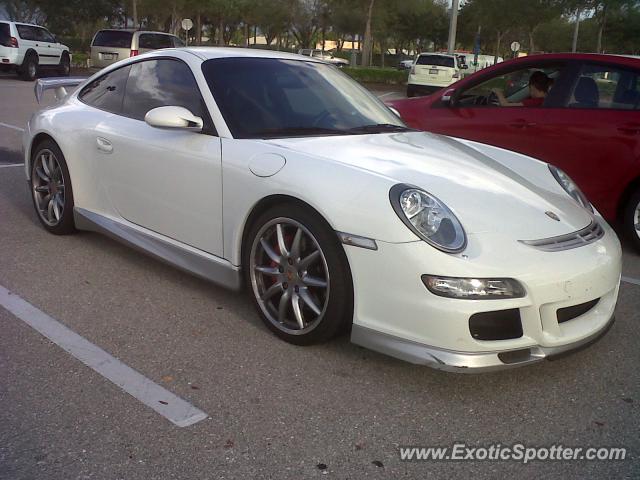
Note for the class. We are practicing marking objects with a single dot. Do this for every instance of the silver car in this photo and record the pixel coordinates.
(109, 46)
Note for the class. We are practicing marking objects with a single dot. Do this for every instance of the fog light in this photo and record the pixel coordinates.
(473, 288)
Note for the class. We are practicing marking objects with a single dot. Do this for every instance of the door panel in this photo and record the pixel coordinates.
(167, 181)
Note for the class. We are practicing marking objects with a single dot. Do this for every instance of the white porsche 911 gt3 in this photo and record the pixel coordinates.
(280, 172)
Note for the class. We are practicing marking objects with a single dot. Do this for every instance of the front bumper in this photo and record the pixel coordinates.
(395, 314)
(465, 362)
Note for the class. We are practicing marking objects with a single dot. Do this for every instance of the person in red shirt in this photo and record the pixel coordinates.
(539, 85)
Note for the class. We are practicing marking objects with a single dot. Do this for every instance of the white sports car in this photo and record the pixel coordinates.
(279, 172)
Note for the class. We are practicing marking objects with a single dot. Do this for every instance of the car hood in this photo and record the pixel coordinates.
(486, 193)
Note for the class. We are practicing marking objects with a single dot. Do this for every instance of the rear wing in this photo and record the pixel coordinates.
(57, 84)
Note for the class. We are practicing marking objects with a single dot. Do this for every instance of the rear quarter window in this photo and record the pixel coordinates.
(155, 41)
(435, 60)
(112, 38)
(107, 92)
(27, 32)
(5, 34)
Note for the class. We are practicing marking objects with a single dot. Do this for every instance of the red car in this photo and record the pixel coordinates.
(588, 123)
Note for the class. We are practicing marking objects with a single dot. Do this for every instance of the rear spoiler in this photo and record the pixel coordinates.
(57, 84)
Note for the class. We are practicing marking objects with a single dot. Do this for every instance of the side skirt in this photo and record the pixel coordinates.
(196, 262)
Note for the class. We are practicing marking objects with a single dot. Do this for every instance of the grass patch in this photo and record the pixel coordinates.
(389, 76)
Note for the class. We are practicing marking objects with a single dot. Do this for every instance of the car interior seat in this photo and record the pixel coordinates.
(586, 94)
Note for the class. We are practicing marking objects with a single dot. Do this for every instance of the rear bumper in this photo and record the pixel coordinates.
(467, 362)
(10, 57)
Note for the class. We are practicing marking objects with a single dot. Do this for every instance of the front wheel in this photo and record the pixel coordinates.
(298, 275)
(51, 188)
(631, 221)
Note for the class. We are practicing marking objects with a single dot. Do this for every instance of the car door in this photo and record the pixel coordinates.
(168, 181)
(594, 132)
(50, 47)
(475, 114)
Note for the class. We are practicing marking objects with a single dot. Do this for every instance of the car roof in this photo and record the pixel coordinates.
(591, 57)
(208, 53)
(132, 30)
(436, 54)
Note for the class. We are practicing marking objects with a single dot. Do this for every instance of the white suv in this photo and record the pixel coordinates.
(433, 71)
(27, 48)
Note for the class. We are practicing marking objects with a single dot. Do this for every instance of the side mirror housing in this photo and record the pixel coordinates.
(395, 111)
(174, 118)
(447, 96)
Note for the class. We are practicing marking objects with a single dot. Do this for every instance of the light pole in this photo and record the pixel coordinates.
(453, 25)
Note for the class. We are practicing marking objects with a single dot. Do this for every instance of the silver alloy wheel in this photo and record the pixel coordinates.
(47, 184)
(289, 276)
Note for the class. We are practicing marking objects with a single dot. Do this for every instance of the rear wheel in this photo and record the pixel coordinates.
(51, 188)
(298, 275)
(631, 222)
(65, 65)
(29, 69)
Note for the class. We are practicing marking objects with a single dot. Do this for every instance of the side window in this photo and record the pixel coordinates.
(155, 41)
(45, 36)
(159, 83)
(146, 41)
(177, 42)
(514, 85)
(27, 32)
(107, 92)
(606, 87)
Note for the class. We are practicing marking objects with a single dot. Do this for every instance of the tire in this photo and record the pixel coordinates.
(29, 69)
(319, 283)
(65, 65)
(631, 220)
(51, 189)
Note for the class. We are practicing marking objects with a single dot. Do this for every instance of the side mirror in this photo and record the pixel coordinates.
(177, 118)
(447, 96)
(464, 67)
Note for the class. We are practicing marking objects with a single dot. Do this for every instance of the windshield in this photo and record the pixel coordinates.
(270, 98)
(436, 60)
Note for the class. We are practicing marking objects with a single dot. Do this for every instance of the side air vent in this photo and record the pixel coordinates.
(569, 313)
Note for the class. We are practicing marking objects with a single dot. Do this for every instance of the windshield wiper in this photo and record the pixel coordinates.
(380, 128)
(298, 131)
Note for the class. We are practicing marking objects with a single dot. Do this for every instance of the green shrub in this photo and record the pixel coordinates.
(377, 75)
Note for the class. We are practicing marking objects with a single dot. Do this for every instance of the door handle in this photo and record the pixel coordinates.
(630, 128)
(104, 145)
(521, 123)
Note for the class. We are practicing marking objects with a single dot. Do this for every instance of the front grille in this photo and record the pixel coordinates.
(569, 313)
(571, 240)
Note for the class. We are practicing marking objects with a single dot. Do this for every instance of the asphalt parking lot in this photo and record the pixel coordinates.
(273, 410)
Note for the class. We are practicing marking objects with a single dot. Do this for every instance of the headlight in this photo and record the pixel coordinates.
(473, 288)
(570, 187)
(428, 218)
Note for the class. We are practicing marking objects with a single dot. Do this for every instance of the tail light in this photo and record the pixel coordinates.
(134, 53)
(455, 75)
(11, 42)
(413, 70)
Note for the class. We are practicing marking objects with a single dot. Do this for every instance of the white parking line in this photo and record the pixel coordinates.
(13, 127)
(170, 406)
(631, 280)
(12, 165)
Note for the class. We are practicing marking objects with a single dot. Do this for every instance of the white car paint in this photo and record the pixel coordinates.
(213, 183)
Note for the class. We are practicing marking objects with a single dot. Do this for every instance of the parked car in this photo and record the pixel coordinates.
(308, 190)
(588, 125)
(27, 49)
(405, 64)
(108, 46)
(433, 71)
(322, 55)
